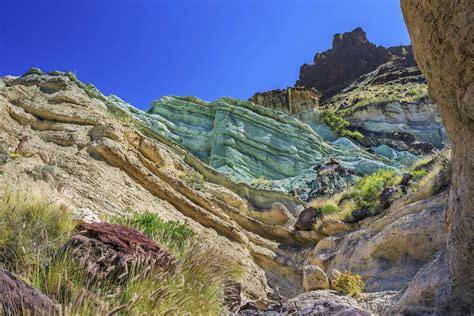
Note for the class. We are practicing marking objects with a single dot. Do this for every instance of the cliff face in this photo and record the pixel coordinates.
(290, 100)
(441, 32)
(351, 56)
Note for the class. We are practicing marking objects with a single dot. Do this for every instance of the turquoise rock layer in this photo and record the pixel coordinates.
(245, 141)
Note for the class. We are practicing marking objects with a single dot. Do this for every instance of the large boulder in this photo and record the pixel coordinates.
(441, 33)
(19, 298)
(106, 248)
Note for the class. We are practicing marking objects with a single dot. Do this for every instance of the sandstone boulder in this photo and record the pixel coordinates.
(314, 278)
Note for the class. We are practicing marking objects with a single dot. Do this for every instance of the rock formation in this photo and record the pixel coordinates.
(292, 100)
(351, 56)
(441, 33)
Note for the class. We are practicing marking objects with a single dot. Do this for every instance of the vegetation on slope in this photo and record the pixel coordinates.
(339, 124)
(363, 195)
(193, 284)
(426, 178)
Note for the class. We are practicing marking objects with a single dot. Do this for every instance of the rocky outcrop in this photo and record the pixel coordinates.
(388, 250)
(19, 298)
(350, 57)
(441, 33)
(246, 142)
(292, 100)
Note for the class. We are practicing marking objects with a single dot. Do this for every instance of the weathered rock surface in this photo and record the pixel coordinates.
(245, 141)
(441, 33)
(389, 250)
(323, 303)
(19, 298)
(292, 100)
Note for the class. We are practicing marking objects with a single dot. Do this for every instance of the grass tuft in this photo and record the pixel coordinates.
(174, 234)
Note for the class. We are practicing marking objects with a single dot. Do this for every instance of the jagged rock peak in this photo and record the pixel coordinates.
(351, 56)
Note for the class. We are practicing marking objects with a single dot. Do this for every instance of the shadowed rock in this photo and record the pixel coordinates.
(308, 218)
(19, 298)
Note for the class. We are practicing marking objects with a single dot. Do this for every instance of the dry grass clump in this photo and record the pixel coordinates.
(33, 231)
(32, 228)
(430, 175)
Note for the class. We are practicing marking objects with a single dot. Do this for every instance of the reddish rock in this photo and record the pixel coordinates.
(20, 298)
(105, 248)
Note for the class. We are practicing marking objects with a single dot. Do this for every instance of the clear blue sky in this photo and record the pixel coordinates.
(141, 50)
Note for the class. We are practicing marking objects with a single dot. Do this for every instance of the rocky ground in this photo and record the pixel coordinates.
(243, 177)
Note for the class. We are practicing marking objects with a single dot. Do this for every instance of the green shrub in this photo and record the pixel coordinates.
(329, 208)
(174, 234)
(339, 124)
(417, 174)
(367, 189)
(261, 181)
(349, 284)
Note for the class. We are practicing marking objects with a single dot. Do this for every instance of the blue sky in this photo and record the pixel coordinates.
(143, 49)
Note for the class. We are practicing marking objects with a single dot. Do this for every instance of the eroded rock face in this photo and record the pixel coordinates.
(292, 100)
(19, 298)
(441, 33)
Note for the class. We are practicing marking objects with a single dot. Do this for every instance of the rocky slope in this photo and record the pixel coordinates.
(240, 175)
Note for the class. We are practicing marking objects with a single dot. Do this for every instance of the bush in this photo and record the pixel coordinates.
(417, 174)
(192, 99)
(329, 208)
(339, 125)
(367, 189)
(349, 284)
(173, 233)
